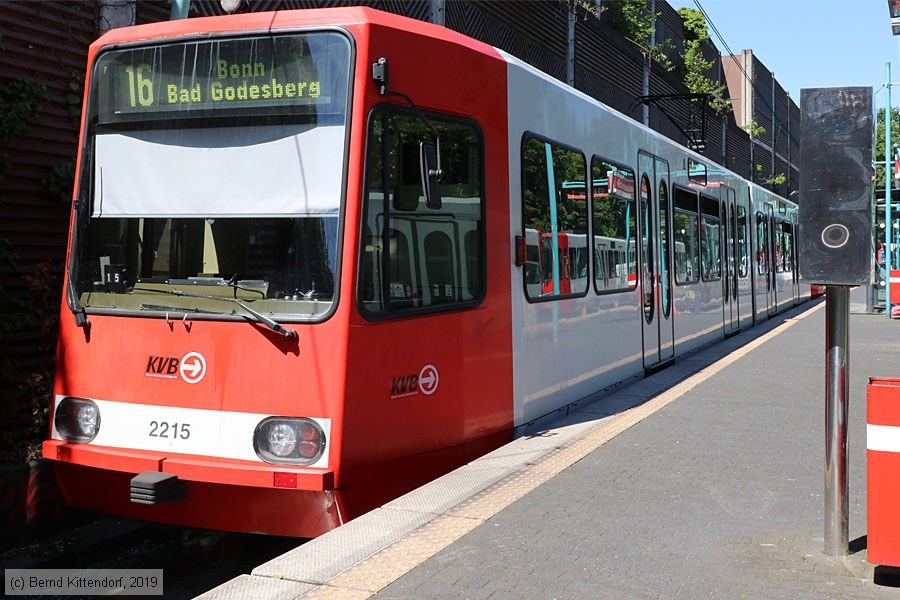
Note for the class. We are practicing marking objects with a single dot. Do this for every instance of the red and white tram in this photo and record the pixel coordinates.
(269, 325)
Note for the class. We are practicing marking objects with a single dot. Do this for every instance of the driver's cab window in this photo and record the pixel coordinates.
(416, 257)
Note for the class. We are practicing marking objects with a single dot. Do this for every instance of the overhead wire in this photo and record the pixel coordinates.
(721, 39)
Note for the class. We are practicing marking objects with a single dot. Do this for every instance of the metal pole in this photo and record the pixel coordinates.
(570, 45)
(837, 372)
(437, 12)
(887, 192)
(648, 61)
(180, 9)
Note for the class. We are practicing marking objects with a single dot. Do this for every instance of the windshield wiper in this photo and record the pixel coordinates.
(290, 334)
(78, 311)
(81, 319)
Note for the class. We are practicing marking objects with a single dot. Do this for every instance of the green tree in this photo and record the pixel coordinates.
(637, 24)
(695, 65)
(878, 158)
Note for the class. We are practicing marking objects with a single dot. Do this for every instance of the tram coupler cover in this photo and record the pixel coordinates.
(883, 470)
(155, 487)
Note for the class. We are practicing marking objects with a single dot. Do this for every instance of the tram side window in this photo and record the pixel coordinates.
(697, 172)
(743, 248)
(710, 240)
(614, 217)
(687, 252)
(779, 249)
(554, 205)
(762, 239)
(786, 248)
(415, 257)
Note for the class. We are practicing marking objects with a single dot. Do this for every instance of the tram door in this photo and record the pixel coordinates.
(765, 267)
(771, 259)
(732, 257)
(656, 260)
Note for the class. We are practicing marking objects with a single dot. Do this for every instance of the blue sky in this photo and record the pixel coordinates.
(810, 43)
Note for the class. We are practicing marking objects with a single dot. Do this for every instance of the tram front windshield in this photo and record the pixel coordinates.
(214, 168)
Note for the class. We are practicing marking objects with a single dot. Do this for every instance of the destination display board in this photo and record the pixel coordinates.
(290, 74)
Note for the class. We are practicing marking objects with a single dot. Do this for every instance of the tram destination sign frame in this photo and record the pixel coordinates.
(299, 73)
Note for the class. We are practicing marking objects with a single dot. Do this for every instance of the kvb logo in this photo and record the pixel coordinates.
(162, 366)
(426, 382)
(191, 367)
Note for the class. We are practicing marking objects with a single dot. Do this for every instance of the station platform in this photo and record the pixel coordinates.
(705, 480)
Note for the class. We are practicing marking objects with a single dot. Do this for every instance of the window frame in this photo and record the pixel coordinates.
(431, 309)
(786, 264)
(718, 216)
(762, 245)
(664, 197)
(631, 286)
(648, 272)
(694, 174)
(528, 134)
(676, 209)
(745, 268)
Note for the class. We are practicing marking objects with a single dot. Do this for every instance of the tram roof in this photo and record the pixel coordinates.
(263, 22)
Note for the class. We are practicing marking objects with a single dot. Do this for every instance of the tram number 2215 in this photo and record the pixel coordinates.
(161, 429)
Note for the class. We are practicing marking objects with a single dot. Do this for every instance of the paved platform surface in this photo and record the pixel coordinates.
(705, 480)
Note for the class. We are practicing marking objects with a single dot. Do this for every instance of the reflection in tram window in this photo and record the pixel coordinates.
(413, 256)
(762, 242)
(743, 247)
(614, 218)
(685, 227)
(555, 219)
(648, 249)
(786, 262)
(779, 245)
(696, 172)
(710, 240)
(664, 249)
(687, 257)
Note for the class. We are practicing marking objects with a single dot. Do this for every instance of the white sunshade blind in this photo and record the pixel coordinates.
(220, 172)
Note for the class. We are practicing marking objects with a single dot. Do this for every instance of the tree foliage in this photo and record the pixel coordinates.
(696, 66)
(879, 143)
(24, 410)
(20, 102)
(568, 168)
(634, 20)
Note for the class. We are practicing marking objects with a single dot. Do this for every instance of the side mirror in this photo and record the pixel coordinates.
(429, 165)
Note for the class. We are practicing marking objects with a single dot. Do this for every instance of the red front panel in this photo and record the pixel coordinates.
(419, 389)
(247, 370)
(212, 506)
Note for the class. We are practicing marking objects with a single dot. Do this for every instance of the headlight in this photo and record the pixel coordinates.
(282, 440)
(289, 441)
(77, 419)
